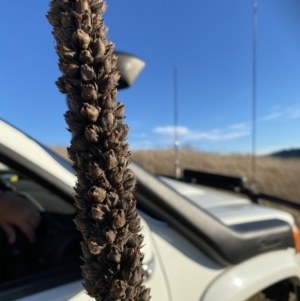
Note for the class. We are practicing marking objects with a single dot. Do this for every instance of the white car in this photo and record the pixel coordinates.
(201, 244)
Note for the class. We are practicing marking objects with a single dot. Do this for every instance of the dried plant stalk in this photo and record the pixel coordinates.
(107, 216)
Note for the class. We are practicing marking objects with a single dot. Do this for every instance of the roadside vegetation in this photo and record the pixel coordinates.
(275, 176)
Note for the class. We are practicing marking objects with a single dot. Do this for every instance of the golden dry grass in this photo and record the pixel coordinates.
(274, 176)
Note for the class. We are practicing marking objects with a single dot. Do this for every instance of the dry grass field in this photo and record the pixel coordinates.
(279, 177)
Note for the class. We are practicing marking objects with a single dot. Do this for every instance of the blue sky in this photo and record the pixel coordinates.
(210, 43)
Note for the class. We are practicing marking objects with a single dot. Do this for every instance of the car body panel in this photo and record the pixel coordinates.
(230, 208)
(239, 282)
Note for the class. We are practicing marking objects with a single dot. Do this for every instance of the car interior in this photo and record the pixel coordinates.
(57, 249)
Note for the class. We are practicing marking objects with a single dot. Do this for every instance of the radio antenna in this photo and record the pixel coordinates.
(254, 92)
(176, 136)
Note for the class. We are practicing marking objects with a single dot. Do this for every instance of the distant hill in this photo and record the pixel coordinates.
(286, 154)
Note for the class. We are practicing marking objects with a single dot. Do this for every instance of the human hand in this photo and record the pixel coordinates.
(16, 211)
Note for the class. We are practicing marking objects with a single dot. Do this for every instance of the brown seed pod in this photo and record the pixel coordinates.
(98, 49)
(97, 194)
(82, 6)
(116, 175)
(102, 182)
(114, 254)
(91, 133)
(87, 73)
(79, 143)
(90, 112)
(107, 120)
(60, 83)
(99, 212)
(111, 160)
(144, 294)
(90, 274)
(119, 110)
(109, 234)
(94, 247)
(118, 289)
(118, 218)
(135, 241)
(134, 224)
(64, 52)
(81, 38)
(53, 18)
(90, 288)
(89, 91)
(86, 57)
(85, 250)
(94, 170)
(70, 69)
(82, 223)
(66, 19)
(132, 276)
(130, 185)
(98, 7)
(112, 199)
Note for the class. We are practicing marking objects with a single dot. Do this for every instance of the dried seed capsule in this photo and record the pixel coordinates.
(99, 212)
(82, 6)
(131, 292)
(120, 109)
(65, 19)
(110, 235)
(98, 48)
(87, 73)
(94, 170)
(114, 254)
(81, 38)
(101, 31)
(72, 154)
(130, 184)
(123, 130)
(64, 52)
(116, 175)
(89, 91)
(85, 22)
(70, 69)
(90, 274)
(118, 218)
(102, 181)
(79, 143)
(86, 57)
(144, 294)
(60, 83)
(132, 276)
(94, 247)
(81, 223)
(97, 194)
(111, 160)
(134, 224)
(53, 18)
(85, 250)
(90, 288)
(112, 199)
(128, 175)
(107, 120)
(98, 7)
(89, 112)
(91, 133)
(135, 241)
(108, 102)
(135, 259)
(118, 288)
